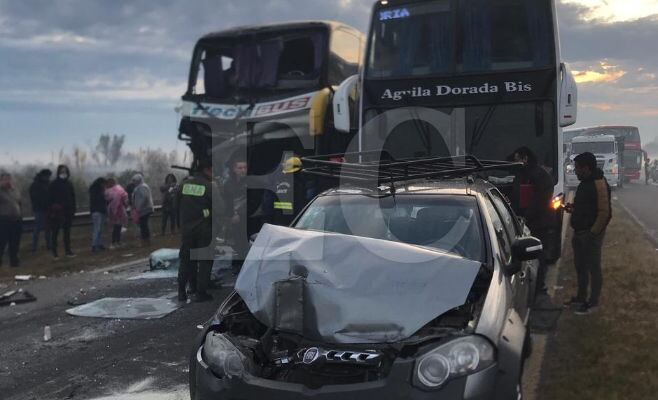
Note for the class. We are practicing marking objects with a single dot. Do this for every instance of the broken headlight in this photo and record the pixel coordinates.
(458, 357)
(224, 359)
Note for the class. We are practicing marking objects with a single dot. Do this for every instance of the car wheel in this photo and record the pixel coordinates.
(527, 345)
(192, 375)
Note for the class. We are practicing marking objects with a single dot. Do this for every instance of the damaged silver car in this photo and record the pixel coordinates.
(416, 293)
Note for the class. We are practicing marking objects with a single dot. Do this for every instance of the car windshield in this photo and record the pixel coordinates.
(593, 147)
(444, 222)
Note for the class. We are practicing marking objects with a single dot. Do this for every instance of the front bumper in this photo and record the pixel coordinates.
(397, 385)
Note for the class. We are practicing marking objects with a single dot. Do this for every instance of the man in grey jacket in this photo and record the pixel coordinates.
(142, 200)
(10, 218)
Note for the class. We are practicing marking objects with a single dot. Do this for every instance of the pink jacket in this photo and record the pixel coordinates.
(117, 201)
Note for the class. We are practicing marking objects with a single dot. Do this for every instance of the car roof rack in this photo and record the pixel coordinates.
(381, 168)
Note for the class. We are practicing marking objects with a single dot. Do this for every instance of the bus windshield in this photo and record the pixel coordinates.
(454, 36)
(229, 68)
(593, 147)
(490, 132)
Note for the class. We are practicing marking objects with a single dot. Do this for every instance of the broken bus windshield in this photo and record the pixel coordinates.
(229, 68)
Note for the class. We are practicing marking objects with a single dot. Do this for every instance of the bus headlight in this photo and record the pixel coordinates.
(570, 169)
(459, 357)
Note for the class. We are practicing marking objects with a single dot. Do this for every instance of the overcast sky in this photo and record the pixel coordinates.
(73, 69)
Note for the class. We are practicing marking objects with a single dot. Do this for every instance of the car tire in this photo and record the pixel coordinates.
(527, 346)
(192, 375)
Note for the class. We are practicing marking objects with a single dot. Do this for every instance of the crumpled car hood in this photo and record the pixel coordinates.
(336, 288)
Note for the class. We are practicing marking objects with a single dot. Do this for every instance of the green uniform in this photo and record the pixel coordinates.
(195, 203)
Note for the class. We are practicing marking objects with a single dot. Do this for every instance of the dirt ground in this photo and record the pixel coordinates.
(42, 264)
(612, 354)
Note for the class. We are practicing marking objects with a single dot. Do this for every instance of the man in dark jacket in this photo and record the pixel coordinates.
(169, 212)
(62, 209)
(10, 219)
(234, 194)
(40, 202)
(533, 190)
(195, 200)
(590, 214)
(98, 211)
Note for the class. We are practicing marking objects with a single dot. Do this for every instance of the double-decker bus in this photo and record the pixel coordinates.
(264, 93)
(630, 136)
(455, 77)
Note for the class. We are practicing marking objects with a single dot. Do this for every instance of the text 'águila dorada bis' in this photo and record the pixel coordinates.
(446, 90)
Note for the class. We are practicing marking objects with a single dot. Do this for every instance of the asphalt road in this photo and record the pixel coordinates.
(94, 358)
(642, 202)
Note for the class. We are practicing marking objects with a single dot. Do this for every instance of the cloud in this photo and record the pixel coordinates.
(602, 73)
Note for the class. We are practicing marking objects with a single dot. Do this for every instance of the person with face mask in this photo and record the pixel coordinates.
(62, 209)
(10, 219)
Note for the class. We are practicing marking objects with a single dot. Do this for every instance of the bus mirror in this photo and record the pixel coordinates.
(318, 112)
(568, 97)
(342, 111)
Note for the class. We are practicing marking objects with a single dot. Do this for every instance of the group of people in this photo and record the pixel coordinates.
(54, 205)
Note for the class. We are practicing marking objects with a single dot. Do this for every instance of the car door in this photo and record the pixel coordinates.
(521, 280)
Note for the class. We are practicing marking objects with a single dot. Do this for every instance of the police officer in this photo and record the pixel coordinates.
(195, 202)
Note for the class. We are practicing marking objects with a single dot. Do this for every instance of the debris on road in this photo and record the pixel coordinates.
(164, 259)
(125, 308)
(22, 277)
(14, 297)
(47, 334)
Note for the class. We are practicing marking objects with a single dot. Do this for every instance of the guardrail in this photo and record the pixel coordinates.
(79, 219)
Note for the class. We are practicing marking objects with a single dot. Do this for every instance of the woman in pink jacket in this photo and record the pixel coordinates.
(117, 202)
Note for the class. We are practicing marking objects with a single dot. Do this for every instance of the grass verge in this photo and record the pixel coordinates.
(612, 354)
(41, 262)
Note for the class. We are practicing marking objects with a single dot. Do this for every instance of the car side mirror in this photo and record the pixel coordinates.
(526, 249)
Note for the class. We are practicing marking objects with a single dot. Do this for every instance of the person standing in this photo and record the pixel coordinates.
(117, 203)
(169, 213)
(195, 198)
(11, 218)
(143, 207)
(590, 214)
(62, 209)
(234, 194)
(39, 199)
(98, 210)
(533, 190)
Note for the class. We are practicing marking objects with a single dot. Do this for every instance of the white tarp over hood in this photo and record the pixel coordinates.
(345, 289)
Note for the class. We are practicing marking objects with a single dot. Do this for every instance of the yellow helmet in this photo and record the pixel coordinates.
(292, 165)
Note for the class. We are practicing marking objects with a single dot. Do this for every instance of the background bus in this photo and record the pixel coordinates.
(454, 77)
(633, 155)
(262, 93)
